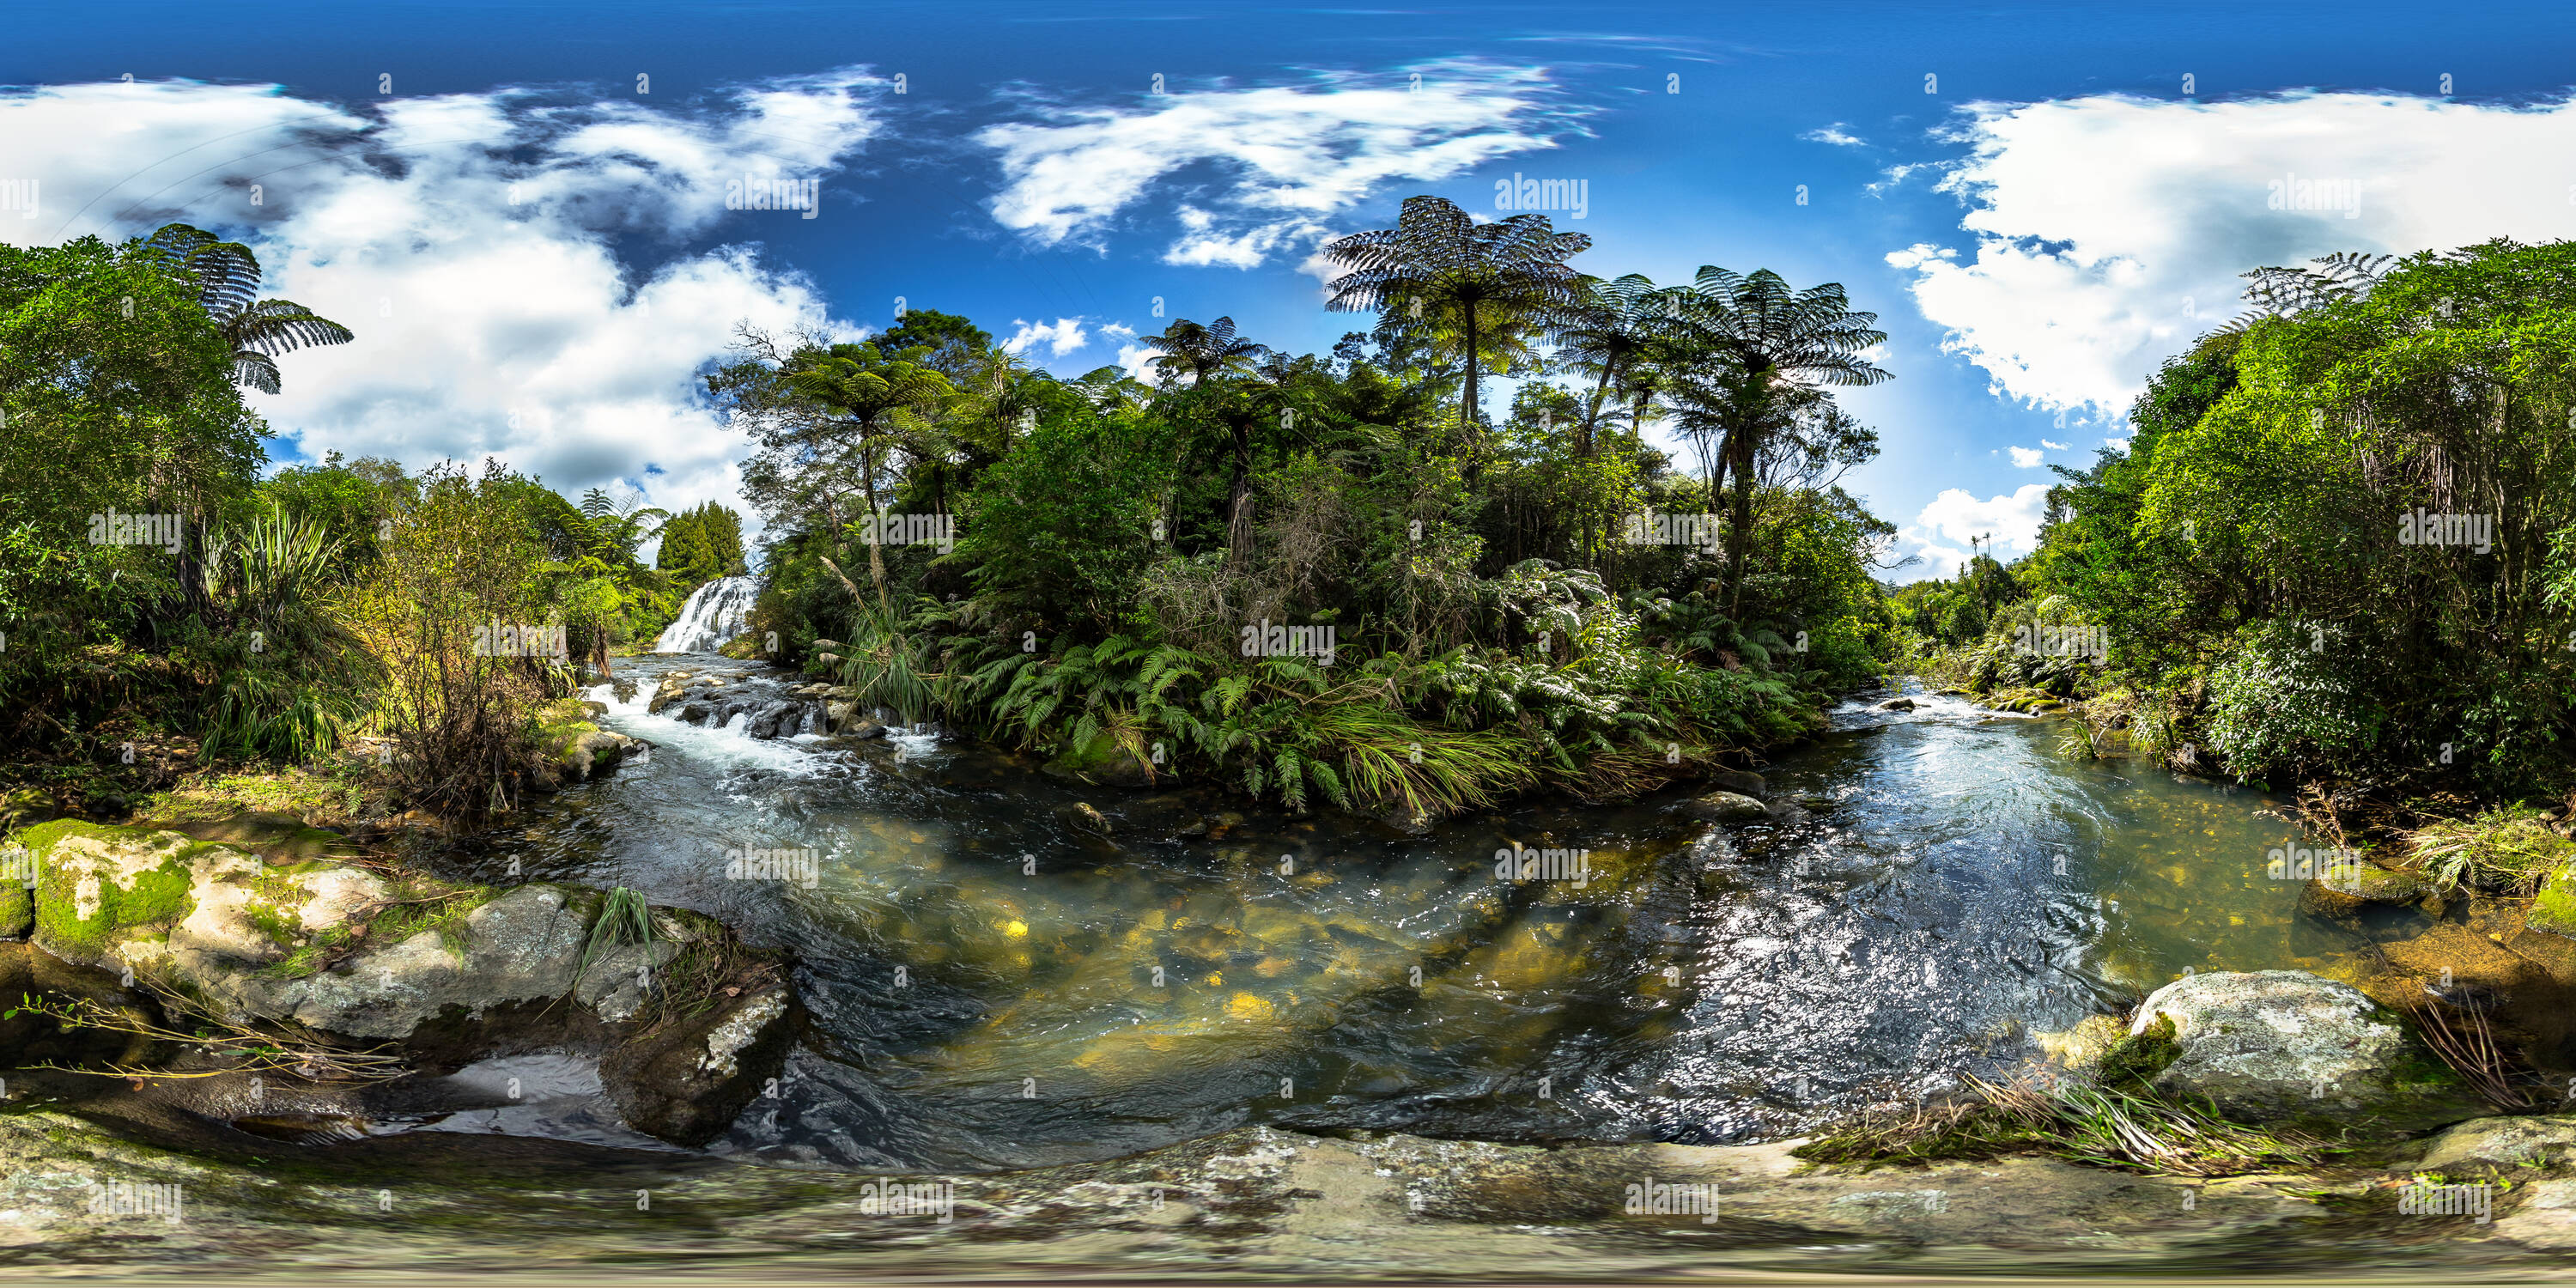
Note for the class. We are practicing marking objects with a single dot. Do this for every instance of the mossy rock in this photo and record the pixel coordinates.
(1101, 762)
(2133, 1062)
(99, 885)
(2554, 910)
(2349, 887)
(17, 910)
(282, 839)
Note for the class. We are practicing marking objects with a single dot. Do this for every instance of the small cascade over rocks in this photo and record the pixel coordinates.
(714, 614)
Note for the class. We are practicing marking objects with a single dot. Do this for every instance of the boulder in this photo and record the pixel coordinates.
(686, 1081)
(2554, 910)
(1723, 807)
(2286, 1046)
(695, 713)
(667, 692)
(2501, 1145)
(2350, 887)
(1102, 763)
(1895, 704)
(1742, 782)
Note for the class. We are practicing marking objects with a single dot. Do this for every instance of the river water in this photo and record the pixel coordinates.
(993, 986)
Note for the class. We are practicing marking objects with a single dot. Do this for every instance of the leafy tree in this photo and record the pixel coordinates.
(227, 277)
(1478, 281)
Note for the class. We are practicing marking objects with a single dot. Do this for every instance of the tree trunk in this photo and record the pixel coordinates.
(1238, 523)
(876, 541)
(1475, 432)
(1740, 522)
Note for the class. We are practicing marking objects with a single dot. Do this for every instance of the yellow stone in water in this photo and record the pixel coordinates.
(1017, 930)
(1244, 1006)
(1216, 979)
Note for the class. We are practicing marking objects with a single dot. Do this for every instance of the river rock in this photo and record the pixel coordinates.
(1101, 763)
(2350, 887)
(1895, 704)
(2501, 1145)
(667, 692)
(2554, 911)
(2287, 1046)
(687, 1081)
(1723, 807)
(1742, 782)
(695, 713)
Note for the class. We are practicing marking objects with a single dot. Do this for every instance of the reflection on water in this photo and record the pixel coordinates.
(995, 986)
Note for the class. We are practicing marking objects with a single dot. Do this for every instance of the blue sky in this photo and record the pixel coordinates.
(534, 248)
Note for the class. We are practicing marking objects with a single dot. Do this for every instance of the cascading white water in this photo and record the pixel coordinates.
(714, 614)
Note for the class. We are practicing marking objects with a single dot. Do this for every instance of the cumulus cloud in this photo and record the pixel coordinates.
(1264, 167)
(1834, 134)
(1118, 330)
(473, 243)
(2054, 447)
(1062, 336)
(2108, 230)
(1940, 534)
(2024, 457)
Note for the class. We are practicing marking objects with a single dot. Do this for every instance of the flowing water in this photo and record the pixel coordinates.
(993, 985)
(714, 614)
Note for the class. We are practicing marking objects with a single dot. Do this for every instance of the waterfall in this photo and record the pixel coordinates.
(714, 614)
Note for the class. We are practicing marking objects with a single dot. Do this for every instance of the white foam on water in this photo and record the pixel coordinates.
(728, 746)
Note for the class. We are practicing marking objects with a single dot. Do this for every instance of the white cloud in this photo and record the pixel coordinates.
(1062, 336)
(2054, 447)
(1939, 535)
(2109, 230)
(1118, 330)
(2024, 457)
(467, 240)
(1834, 134)
(1282, 159)
(1136, 359)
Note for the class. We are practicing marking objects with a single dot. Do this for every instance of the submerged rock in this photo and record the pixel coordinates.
(2287, 1046)
(1895, 704)
(1102, 762)
(1723, 807)
(1742, 782)
(2350, 887)
(2554, 911)
(687, 1081)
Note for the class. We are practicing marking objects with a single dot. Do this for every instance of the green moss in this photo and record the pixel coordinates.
(2134, 1061)
(2555, 908)
(155, 900)
(17, 910)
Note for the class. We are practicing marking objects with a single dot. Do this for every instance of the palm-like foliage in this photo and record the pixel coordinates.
(625, 523)
(2278, 291)
(1440, 268)
(1202, 352)
(227, 277)
(875, 395)
(1762, 338)
(1612, 332)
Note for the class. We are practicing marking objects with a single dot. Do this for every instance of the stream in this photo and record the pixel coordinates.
(994, 986)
